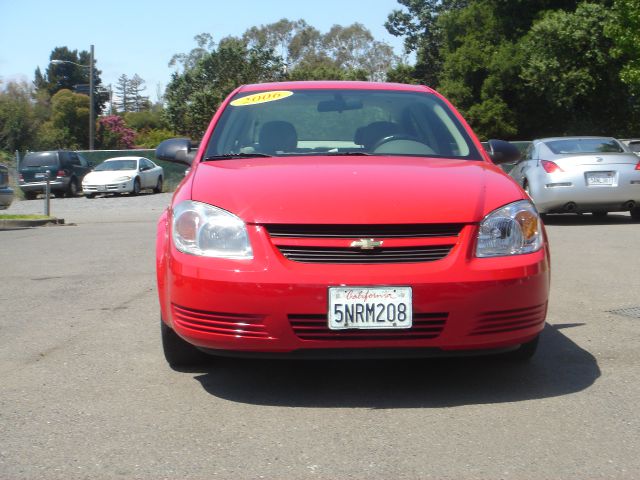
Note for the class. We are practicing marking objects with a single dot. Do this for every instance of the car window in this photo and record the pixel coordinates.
(40, 159)
(319, 122)
(584, 145)
(115, 165)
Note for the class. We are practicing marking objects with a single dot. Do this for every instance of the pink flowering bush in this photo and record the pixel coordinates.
(113, 134)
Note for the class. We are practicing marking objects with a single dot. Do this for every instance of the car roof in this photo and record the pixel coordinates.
(582, 137)
(334, 84)
(122, 158)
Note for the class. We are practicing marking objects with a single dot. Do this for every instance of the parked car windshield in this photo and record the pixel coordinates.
(339, 122)
(584, 145)
(40, 159)
(114, 165)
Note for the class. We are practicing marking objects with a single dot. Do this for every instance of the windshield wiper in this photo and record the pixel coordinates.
(345, 153)
(232, 156)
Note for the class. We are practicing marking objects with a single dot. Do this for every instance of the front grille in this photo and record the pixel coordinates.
(365, 231)
(510, 320)
(315, 327)
(375, 256)
(231, 324)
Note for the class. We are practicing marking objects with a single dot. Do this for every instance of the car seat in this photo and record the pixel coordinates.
(277, 136)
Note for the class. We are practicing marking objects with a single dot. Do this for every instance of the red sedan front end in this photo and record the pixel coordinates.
(298, 232)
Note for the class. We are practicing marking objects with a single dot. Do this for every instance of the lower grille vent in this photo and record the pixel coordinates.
(231, 324)
(510, 320)
(314, 327)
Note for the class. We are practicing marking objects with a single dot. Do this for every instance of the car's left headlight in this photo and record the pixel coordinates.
(514, 229)
(123, 179)
(208, 231)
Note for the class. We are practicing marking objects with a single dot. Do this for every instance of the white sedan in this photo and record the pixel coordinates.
(122, 175)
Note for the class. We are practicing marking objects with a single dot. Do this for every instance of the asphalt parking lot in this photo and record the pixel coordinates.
(86, 392)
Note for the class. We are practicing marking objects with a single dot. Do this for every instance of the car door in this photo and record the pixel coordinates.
(518, 173)
(146, 174)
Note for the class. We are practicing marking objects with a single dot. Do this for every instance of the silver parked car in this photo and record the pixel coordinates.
(580, 174)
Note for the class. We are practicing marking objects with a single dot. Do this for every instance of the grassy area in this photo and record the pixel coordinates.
(24, 217)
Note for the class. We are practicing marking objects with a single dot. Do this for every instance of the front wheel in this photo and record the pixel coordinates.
(178, 352)
(524, 352)
(136, 187)
(158, 188)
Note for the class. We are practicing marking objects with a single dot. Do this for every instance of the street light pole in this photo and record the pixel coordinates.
(92, 113)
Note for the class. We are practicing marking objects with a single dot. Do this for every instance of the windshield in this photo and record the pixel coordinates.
(114, 165)
(584, 145)
(339, 122)
(40, 159)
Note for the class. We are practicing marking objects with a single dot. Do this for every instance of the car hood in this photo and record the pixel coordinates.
(356, 190)
(108, 175)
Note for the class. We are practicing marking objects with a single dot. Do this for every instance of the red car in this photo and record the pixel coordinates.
(347, 219)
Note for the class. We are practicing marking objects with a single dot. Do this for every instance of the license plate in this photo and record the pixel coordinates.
(600, 178)
(370, 308)
(40, 175)
(102, 188)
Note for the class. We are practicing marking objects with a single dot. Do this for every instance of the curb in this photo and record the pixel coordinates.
(11, 224)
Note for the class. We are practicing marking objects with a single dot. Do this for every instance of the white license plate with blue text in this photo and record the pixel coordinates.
(370, 307)
(600, 178)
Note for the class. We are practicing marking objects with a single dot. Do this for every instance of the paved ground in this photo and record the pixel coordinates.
(85, 392)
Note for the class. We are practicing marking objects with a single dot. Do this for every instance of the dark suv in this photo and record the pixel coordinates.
(65, 169)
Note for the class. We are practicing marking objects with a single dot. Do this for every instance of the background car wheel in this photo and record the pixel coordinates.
(158, 188)
(30, 195)
(136, 187)
(90, 195)
(178, 352)
(525, 352)
(72, 189)
(635, 214)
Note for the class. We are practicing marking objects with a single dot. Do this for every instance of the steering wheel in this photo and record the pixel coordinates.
(401, 136)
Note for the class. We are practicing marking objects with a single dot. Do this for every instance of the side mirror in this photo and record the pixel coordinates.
(177, 150)
(502, 152)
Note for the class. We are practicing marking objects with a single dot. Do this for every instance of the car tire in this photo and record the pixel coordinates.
(158, 188)
(136, 187)
(177, 352)
(30, 195)
(90, 195)
(635, 214)
(525, 352)
(72, 189)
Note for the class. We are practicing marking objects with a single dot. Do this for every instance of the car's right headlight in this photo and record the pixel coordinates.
(514, 229)
(208, 231)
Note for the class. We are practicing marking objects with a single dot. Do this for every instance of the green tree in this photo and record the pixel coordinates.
(624, 30)
(72, 73)
(569, 69)
(68, 126)
(18, 119)
(194, 95)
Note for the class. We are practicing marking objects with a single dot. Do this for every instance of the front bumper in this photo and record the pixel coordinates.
(270, 304)
(57, 184)
(115, 187)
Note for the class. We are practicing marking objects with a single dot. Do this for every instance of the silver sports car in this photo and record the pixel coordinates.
(580, 174)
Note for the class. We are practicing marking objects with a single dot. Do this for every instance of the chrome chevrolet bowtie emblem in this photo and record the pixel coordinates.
(366, 244)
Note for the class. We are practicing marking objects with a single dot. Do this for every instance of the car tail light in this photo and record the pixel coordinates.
(21, 177)
(550, 167)
(61, 173)
(638, 165)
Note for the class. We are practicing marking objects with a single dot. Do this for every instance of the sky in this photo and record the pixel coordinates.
(141, 36)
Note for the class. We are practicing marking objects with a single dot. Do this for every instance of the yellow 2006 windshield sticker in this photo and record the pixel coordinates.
(261, 98)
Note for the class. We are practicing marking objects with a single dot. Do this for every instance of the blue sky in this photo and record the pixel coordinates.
(141, 36)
